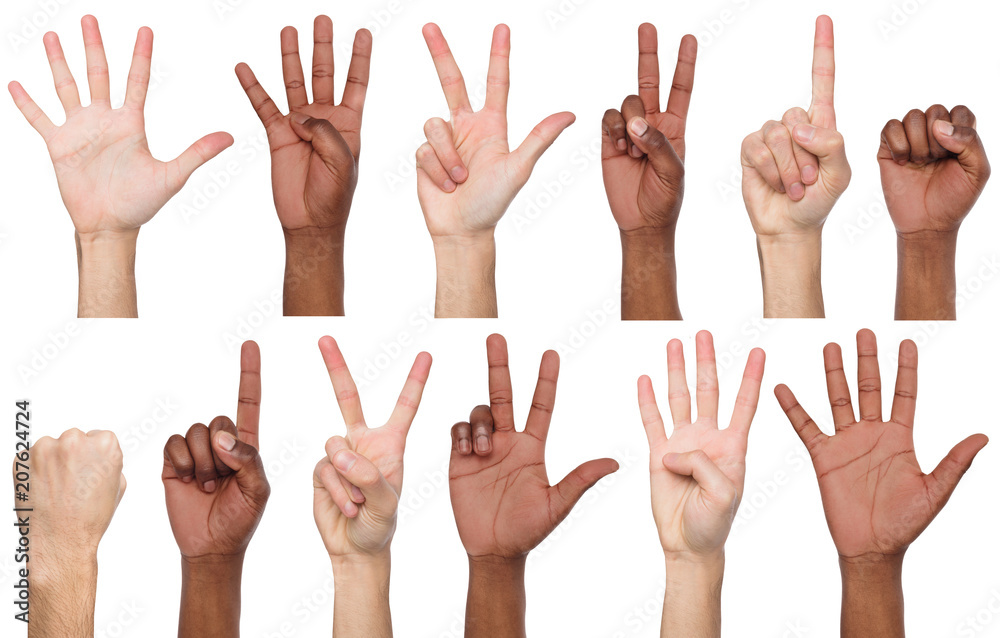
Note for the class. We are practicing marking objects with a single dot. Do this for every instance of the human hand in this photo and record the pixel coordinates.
(876, 498)
(356, 486)
(642, 149)
(934, 168)
(214, 478)
(500, 492)
(795, 170)
(315, 148)
(109, 181)
(696, 475)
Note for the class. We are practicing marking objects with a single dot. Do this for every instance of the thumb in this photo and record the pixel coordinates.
(964, 142)
(245, 461)
(718, 491)
(826, 144)
(541, 138)
(324, 137)
(568, 491)
(380, 499)
(945, 477)
(181, 168)
(657, 148)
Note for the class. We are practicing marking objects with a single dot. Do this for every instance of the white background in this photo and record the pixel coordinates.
(206, 279)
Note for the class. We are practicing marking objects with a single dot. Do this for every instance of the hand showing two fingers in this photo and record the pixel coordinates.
(356, 486)
(697, 473)
(214, 477)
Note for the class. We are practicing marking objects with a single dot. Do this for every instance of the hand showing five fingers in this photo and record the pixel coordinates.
(356, 486)
(877, 499)
(796, 169)
(642, 149)
(214, 477)
(109, 180)
(467, 175)
(696, 475)
(315, 148)
(504, 505)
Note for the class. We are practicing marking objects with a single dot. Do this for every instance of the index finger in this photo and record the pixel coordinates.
(823, 71)
(683, 83)
(501, 391)
(447, 69)
(248, 409)
(343, 384)
(649, 69)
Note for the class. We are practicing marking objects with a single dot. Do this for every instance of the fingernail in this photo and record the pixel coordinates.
(672, 456)
(458, 173)
(344, 461)
(356, 494)
(226, 441)
(621, 144)
(796, 191)
(482, 444)
(945, 128)
(638, 126)
(464, 446)
(809, 173)
(210, 486)
(186, 479)
(350, 510)
(300, 118)
(805, 132)
(449, 186)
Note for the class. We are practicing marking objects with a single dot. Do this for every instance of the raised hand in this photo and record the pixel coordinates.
(467, 176)
(314, 163)
(793, 173)
(356, 489)
(934, 168)
(876, 498)
(76, 483)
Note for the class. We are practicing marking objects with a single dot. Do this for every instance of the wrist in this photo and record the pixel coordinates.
(501, 572)
(872, 567)
(58, 569)
(791, 274)
(926, 287)
(466, 276)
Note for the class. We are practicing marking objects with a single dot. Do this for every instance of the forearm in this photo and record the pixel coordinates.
(872, 598)
(649, 276)
(692, 603)
(314, 272)
(63, 596)
(466, 277)
(925, 275)
(210, 597)
(790, 271)
(106, 263)
(495, 606)
(361, 597)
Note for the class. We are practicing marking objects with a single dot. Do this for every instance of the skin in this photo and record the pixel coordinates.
(216, 492)
(500, 493)
(793, 173)
(356, 489)
(110, 183)
(934, 167)
(76, 485)
(467, 176)
(876, 498)
(642, 157)
(696, 483)
(314, 164)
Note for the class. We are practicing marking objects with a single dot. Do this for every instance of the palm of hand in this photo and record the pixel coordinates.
(218, 523)
(502, 503)
(108, 179)
(308, 192)
(638, 197)
(877, 500)
(477, 204)
(935, 196)
(366, 532)
(685, 521)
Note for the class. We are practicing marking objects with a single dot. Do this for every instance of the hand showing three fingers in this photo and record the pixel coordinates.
(504, 505)
(467, 175)
(214, 477)
(877, 499)
(697, 473)
(356, 486)
(109, 180)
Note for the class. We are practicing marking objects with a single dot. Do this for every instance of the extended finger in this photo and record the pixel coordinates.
(356, 86)
(837, 388)
(543, 402)
(501, 391)
(65, 85)
(678, 395)
(97, 63)
(683, 83)
(707, 390)
(343, 384)
(322, 60)
(35, 116)
(869, 379)
(448, 72)
(498, 75)
(291, 70)
(649, 69)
